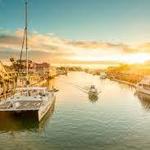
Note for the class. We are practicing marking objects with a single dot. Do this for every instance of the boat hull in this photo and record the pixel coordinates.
(103, 77)
(44, 109)
(142, 90)
(21, 115)
(28, 114)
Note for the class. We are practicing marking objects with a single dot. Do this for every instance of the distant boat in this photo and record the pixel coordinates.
(28, 101)
(93, 91)
(103, 76)
(144, 85)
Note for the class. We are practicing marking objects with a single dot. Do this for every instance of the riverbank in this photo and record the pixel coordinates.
(124, 82)
(128, 74)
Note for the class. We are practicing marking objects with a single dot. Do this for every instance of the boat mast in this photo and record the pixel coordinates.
(26, 41)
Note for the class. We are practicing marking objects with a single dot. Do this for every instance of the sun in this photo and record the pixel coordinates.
(136, 58)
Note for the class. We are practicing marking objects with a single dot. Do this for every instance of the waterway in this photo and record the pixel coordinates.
(118, 120)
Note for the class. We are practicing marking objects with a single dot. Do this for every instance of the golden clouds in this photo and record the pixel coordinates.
(58, 49)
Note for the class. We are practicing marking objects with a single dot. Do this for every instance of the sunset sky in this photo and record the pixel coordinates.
(78, 31)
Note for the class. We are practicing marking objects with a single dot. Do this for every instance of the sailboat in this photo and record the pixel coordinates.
(33, 102)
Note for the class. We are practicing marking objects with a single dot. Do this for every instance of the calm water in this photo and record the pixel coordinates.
(117, 120)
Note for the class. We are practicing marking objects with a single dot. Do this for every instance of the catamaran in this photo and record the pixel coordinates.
(28, 101)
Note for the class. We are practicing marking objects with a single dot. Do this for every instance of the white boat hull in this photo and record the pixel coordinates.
(44, 109)
(36, 114)
(142, 90)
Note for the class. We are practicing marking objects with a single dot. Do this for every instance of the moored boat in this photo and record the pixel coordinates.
(29, 102)
(144, 85)
(103, 76)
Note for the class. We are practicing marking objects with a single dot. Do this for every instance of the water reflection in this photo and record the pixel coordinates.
(145, 100)
(10, 123)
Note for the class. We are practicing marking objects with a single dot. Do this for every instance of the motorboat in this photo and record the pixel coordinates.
(93, 90)
(93, 93)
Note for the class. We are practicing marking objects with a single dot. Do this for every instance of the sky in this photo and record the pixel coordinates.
(78, 31)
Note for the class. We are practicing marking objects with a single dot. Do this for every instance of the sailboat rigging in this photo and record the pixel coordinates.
(25, 42)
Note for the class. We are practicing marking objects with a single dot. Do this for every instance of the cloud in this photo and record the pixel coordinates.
(46, 47)
(50, 47)
(145, 47)
(103, 45)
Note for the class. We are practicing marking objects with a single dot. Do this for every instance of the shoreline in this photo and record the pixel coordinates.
(124, 82)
